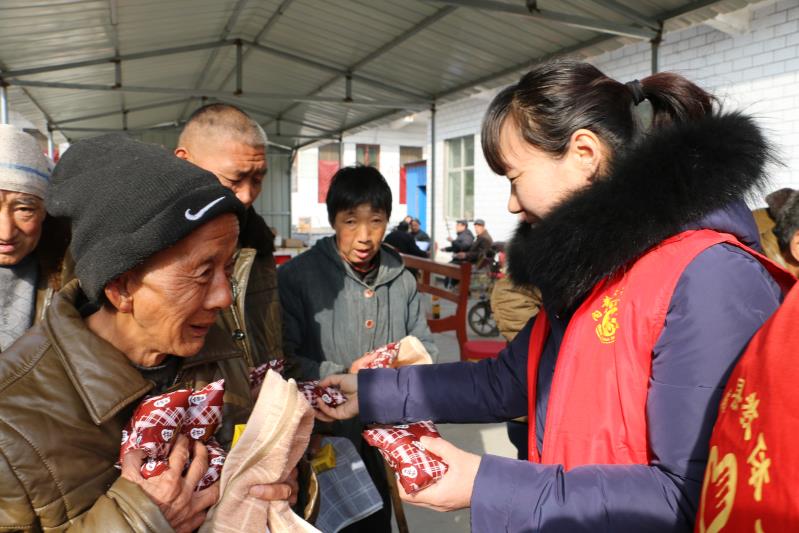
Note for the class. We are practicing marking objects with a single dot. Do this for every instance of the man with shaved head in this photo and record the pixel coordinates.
(224, 140)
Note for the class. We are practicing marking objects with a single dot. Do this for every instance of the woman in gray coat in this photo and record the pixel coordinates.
(348, 295)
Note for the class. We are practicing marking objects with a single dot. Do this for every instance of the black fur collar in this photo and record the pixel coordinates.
(672, 178)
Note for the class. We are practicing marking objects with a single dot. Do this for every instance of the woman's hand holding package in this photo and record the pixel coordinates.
(454, 490)
(348, 384)
(175, 494)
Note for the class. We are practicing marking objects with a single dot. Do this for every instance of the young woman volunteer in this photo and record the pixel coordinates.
(637, 234)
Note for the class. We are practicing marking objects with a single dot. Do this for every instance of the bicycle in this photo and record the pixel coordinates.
(480, 317)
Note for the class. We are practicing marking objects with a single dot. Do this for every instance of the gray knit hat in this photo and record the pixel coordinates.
(23, 167)
(127, 200)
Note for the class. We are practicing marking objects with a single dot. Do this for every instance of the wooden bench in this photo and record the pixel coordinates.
(469, 350)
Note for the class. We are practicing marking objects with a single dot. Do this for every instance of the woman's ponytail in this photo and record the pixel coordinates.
(674, 99)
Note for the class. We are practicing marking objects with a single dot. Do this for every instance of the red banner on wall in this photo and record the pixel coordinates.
(403, 186)
(326, 171)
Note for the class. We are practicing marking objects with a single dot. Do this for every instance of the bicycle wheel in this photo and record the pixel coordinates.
(481, 320)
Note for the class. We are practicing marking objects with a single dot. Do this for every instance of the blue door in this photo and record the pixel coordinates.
(416, 187)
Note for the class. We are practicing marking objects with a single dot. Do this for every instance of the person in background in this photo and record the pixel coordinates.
(480, 247)
(765, 218)
(153, 239)
(637, 234)
(786, 233)
(402, 241)
(750, 480)
(32, 243)
(347, 295)
(225, 141)
(512, 307)
(418, 233)
(463, 239)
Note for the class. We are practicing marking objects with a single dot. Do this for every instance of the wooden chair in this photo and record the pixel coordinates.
(469, 350)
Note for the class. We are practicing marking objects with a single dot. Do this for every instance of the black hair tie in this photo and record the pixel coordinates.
(637, 90)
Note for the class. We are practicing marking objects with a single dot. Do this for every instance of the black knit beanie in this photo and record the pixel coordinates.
(127, 200)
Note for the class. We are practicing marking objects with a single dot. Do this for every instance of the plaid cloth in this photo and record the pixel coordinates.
(347, 492)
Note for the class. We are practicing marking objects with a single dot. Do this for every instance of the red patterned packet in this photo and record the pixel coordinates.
(216, 460)
(331, 396)
(385, 356)
(158, 420)
(155, 424)
(204, 413)
(414, 466)
(258, 373)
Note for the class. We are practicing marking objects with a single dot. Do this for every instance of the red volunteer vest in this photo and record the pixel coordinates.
(753, 468)
(597, 404)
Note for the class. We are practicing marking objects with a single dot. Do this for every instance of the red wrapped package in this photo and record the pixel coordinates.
(155, 424)
(154, 467)
(385, 356)
(414, 466)
(216, 459)
(258, 373)
(158, 420)
(204, 413)
(313, 392)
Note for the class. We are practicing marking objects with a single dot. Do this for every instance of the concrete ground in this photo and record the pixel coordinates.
(475, 438)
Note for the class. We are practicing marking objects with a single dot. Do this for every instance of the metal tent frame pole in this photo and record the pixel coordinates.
(3, 103)
(433, 180)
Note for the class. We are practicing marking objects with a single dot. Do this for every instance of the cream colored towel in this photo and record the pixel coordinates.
(275, 438)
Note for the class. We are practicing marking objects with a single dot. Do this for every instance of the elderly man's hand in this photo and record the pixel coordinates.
(348, 383)
(278, 491)
(174, 494)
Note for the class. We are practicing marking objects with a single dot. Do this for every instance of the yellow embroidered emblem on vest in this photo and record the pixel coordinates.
(718, 491)
(606, 329)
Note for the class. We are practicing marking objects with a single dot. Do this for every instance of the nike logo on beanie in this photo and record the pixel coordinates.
(196, 216)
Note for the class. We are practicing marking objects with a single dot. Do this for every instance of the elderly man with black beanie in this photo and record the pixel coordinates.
(153, 239)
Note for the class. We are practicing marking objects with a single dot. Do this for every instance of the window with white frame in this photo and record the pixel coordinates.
(460, 177)
(368, 155)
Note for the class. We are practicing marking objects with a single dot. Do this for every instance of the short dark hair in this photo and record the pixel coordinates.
(357, 185)
(776, 200)
(787, 222)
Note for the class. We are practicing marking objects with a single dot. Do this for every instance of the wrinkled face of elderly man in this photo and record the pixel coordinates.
(21, 219)
(168, 304)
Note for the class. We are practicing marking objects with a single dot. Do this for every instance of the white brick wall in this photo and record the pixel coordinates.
(757, 72)
(304, 202)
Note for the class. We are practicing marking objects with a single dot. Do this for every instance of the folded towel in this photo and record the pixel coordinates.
(275, 438)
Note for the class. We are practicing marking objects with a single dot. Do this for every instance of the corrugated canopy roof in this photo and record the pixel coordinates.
(307, 69)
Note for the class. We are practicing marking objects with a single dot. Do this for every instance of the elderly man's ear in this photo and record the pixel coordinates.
(183, 153)
(118, 295)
